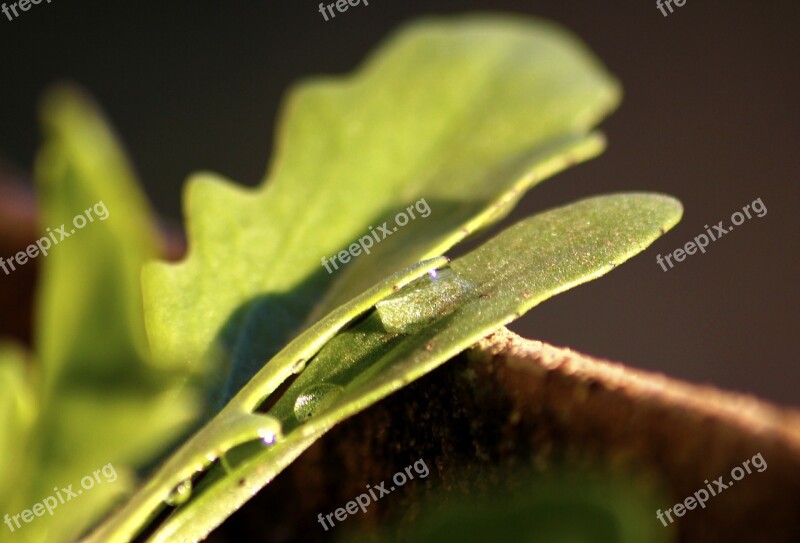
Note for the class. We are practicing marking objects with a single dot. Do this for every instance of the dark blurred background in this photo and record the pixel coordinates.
(710, 115)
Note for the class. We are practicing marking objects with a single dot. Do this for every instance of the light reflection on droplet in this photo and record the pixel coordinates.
(267, 437)
(180, 494)
(313, 399)
(422, 301)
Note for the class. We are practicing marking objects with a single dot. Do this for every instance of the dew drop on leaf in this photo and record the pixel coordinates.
(268, 437)
(242, 427)
(298, 366)
(422, 301)
(315, 398)
(180, 494)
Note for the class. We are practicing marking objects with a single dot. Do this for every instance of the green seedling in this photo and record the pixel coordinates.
(466, 113)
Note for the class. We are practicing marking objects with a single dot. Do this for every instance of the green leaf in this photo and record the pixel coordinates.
(101, 398)
(236, 423)
(432, 320)
(423, 325)
(466, 114)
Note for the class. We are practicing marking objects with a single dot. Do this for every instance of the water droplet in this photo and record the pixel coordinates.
(314, 399)
(240, 428)
(267, 436)
(422, 301)
(298, 366)
(180, 494)
(441, 274)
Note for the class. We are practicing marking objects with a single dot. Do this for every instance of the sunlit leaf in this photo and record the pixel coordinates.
(465, 113)
(237, 423)
(427, 323)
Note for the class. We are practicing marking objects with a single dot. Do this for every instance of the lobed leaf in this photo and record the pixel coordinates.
(465, 113)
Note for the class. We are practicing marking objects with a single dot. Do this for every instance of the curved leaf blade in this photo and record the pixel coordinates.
(401, 341)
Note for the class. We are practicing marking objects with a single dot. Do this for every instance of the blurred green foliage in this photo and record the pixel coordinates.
(91, 394)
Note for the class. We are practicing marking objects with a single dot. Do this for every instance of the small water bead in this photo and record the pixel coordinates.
(268, 437)
(239, 428)
(180, 494)
(315, 398)
(422, 301)
(299, 366)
